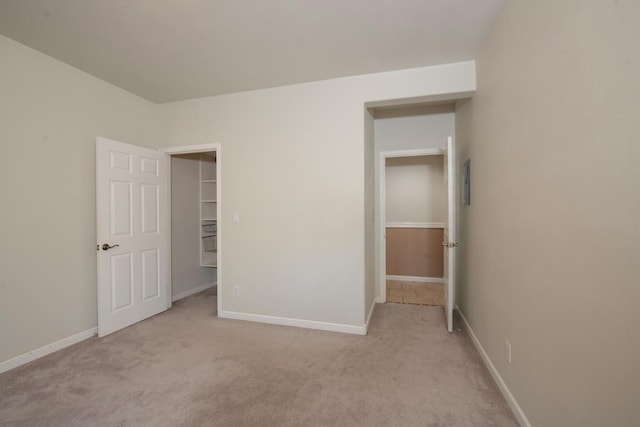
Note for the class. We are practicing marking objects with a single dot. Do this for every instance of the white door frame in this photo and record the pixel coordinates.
(381, 260)
(190, 149)
(450, 232)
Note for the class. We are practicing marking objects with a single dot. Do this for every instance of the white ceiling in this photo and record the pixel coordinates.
(168, 50)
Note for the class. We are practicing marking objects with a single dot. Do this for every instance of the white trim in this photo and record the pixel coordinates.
(298, 323)
(415, 224)
(511, 400)
(405, 102)
(47, 349)
(192, 291)
(381, 238)
(188, 149)
(218, 149)
(416, 279)
(371, 310)
(413, 153)
(167, 209)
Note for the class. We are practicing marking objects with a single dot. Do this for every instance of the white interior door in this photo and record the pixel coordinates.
(133, 236)
(449, 244)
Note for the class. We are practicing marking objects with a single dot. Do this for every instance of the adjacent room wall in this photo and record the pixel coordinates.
(50, 115)
(414, 252)
(294, 172)
(186, 273)
(414, 196)
(413, 128)
(415, 190)
(550, 241)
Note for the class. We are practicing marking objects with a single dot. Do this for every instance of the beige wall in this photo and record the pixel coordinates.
(414, 252)
(186, 273)
(415, 190)
(413, 128)
(295, 171)
(50, 115)
(293, 168)
(549, 246)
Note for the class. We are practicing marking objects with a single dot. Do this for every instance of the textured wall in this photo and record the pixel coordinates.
(415, 189)
(549, 245)
(293, 167)
(50, 116)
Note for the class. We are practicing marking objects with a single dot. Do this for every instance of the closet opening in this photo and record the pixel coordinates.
(415, 209)
(195, 222)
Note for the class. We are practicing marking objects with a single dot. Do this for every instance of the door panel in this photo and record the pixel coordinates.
(149, 166)
(132, 214)
(119, 161)
(150, 208)
(121, 280)
(120, 208)
(150, 274)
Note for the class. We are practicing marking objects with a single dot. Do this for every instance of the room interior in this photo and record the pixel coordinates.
(415, 206)
(543, 98)
(193, 224)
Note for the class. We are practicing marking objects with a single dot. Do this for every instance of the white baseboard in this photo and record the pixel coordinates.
(416, 279)
(511, 400)
(371, 310)
(299, 323)
(192, 291)
(415, 225)
(47, 349)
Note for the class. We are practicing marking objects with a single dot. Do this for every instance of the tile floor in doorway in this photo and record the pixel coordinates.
(406, 292)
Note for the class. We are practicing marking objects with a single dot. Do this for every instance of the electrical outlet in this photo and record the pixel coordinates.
(236, 291)
(507, 350)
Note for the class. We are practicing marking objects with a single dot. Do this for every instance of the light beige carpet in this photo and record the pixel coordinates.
(187, 367)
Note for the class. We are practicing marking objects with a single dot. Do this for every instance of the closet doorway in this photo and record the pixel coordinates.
(412, 209)
(415, 207)
(195, 201)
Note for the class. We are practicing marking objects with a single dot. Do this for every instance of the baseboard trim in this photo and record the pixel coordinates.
(45, 350)
(511, 400)
(416, 279)
(192, 291)
(371, 310)
(298, 323)
(415, 225)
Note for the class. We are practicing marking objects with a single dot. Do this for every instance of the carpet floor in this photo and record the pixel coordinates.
(187, 367)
